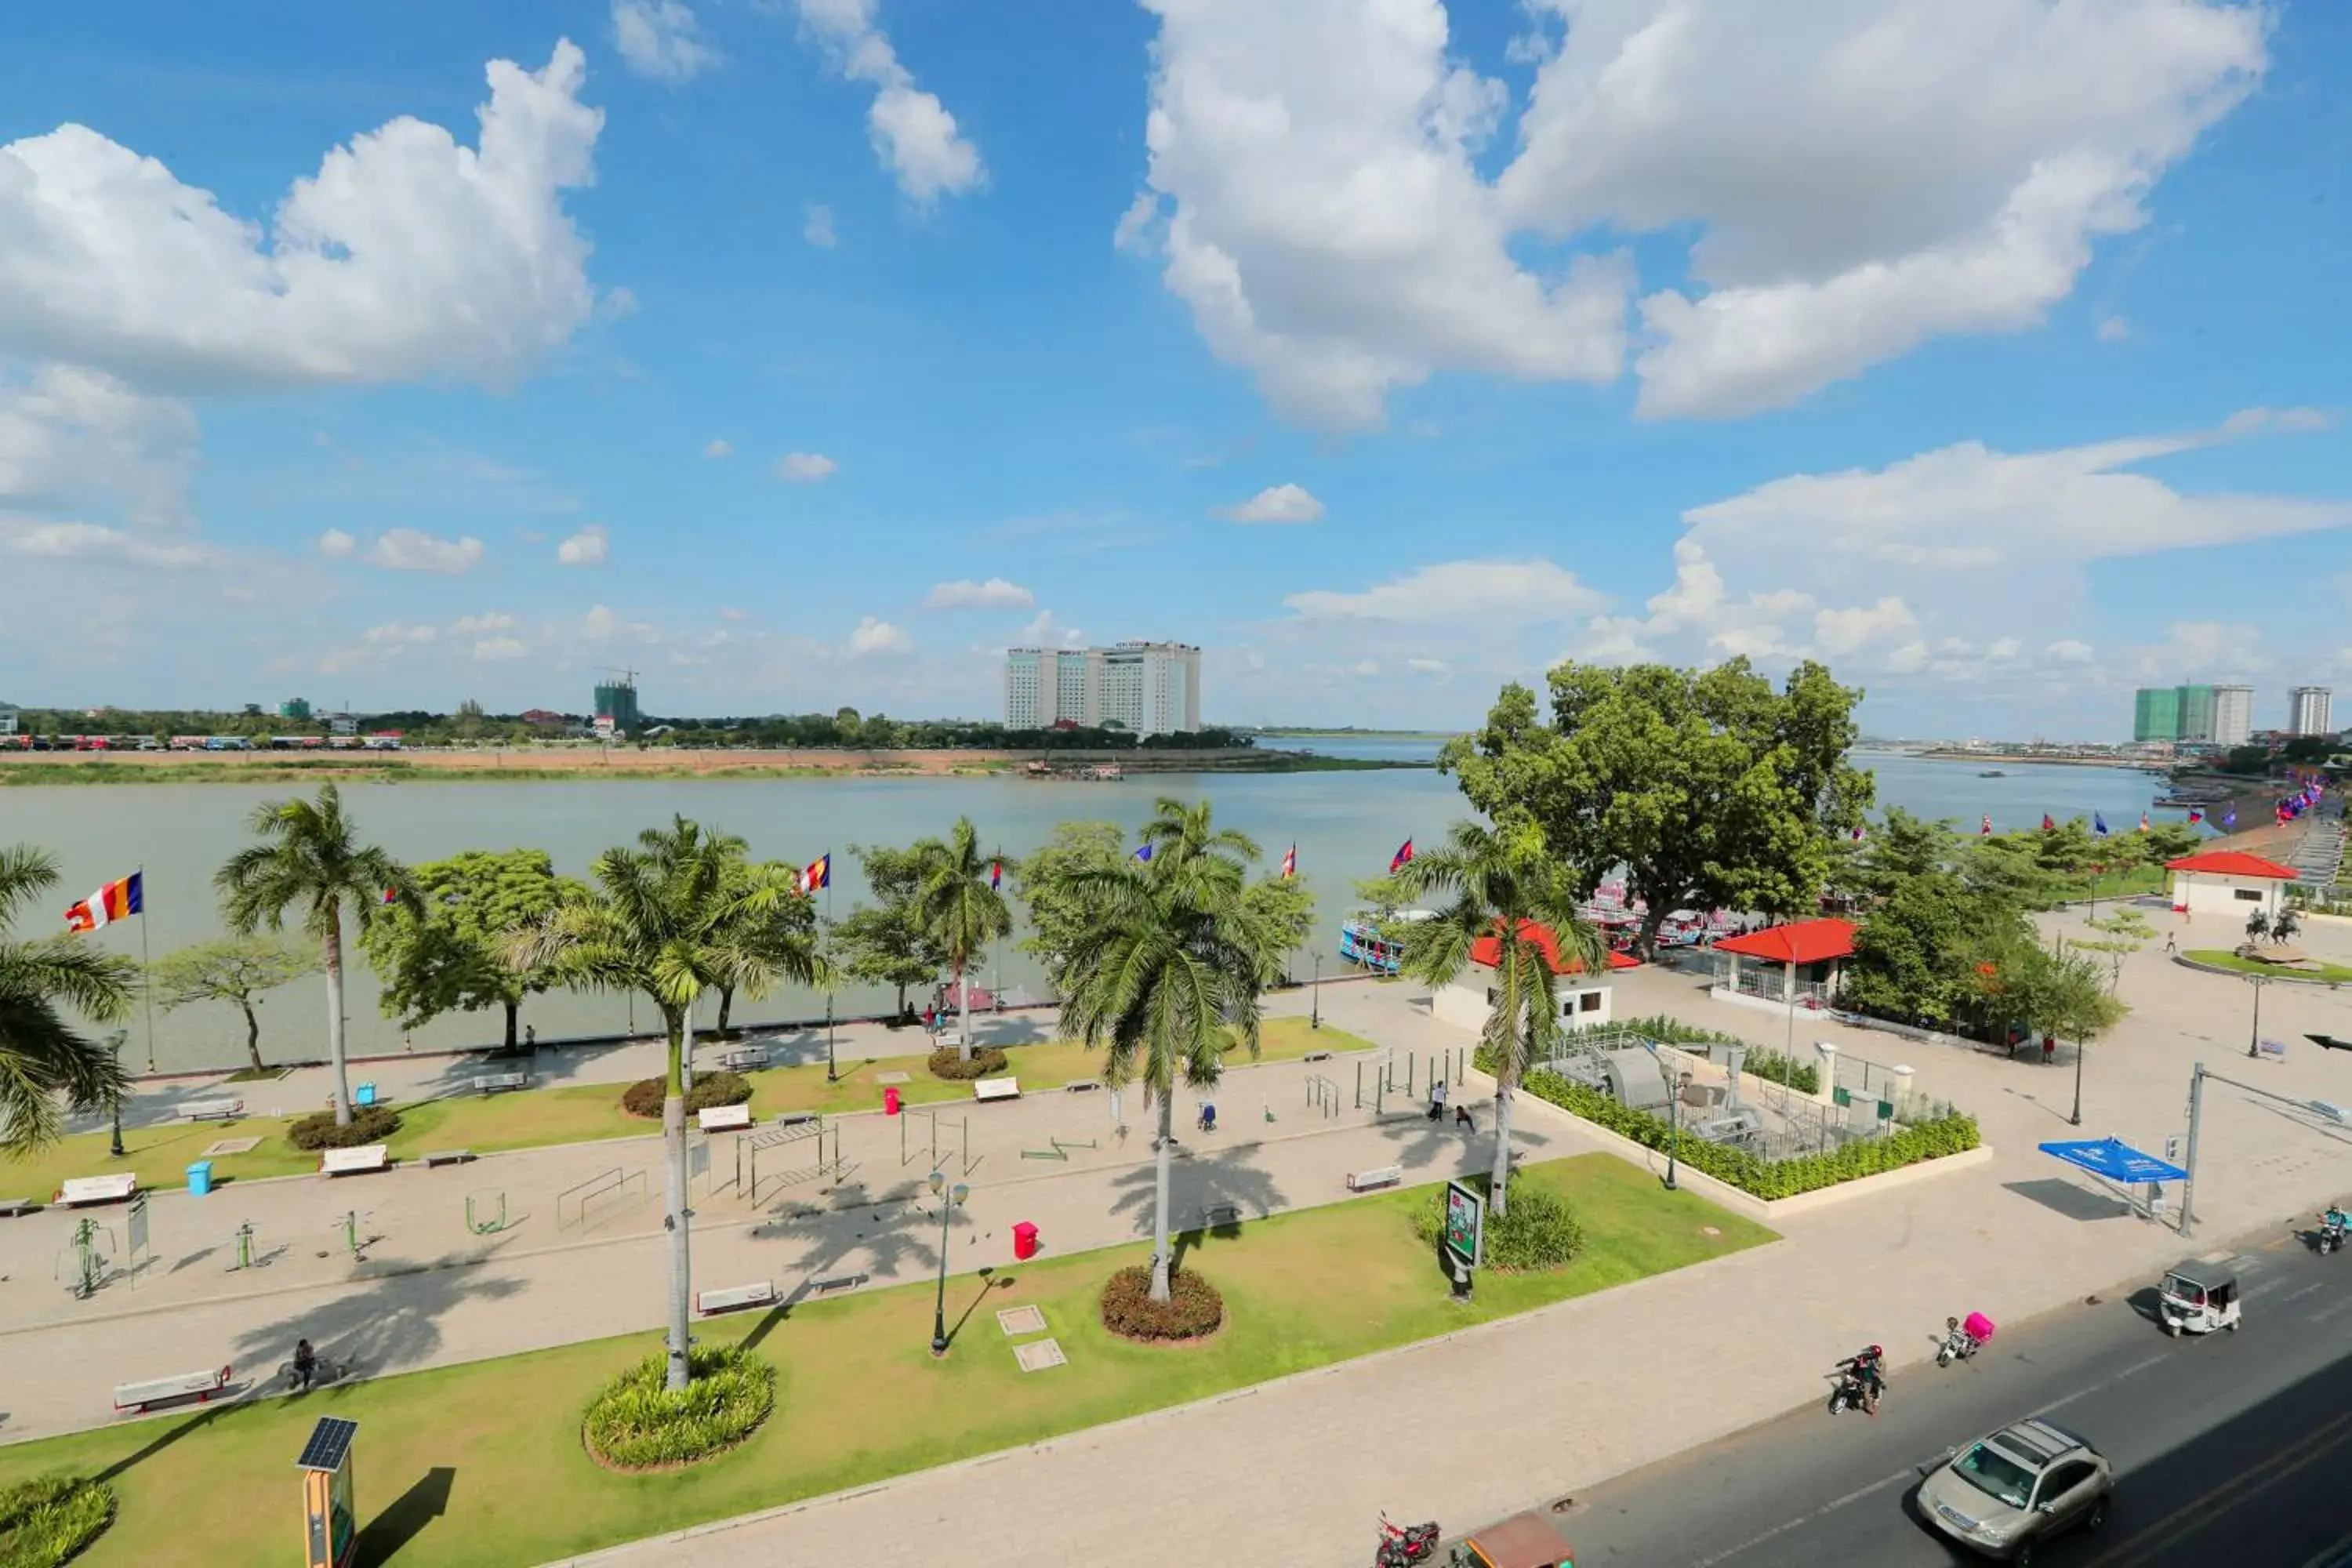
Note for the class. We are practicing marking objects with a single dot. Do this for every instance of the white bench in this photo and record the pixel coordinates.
(724, 1117)
(351, 1161)
(1378, 1176)
(448, 1157)
(996, 1089)
(488, 1083)
(744, 1057)
(735, 1297)
(114, 1189)
(197, 1385)
(211, 1109)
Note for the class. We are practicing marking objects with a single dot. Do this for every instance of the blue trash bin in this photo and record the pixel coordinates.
(364, 1094)
(200, 1178)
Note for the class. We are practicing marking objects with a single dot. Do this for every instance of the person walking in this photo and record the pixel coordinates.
(1437, 1097)
(2170, 945)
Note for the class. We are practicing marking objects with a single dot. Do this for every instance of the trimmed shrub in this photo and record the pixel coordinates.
(369, 1124)
(987, 1061)
(1193, 1309)
(636, 1424)
(644, 1097)
(1539, 1232)
(1805, 1078)
(45, 1520)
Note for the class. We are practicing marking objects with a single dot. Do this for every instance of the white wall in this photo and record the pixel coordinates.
(1465, 1004)
(2203, 893)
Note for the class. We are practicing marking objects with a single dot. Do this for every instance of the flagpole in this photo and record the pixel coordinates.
(831, 1076)
(148, 962)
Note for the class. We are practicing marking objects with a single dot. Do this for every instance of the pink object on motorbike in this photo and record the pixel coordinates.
(1978, 1327)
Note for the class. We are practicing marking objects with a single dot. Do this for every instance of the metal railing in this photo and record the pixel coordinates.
(609, 1191)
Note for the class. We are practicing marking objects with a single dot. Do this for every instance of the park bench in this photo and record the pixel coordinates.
(1315, 1056)
(724, 1117)
(448, 1157)
(797, 1118)
(111, 1189)
(744, 1058)
(351, 1161)
(211, 1109)
(1217, 1214)
(197, 1386)
(735, 1297)
(988, 1088)
(488, 1083)
(1378, 1176)
(11, 1207)
(947, 1040)
(1082, 1086)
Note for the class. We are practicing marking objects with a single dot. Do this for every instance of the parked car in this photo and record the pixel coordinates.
(2008, 1493)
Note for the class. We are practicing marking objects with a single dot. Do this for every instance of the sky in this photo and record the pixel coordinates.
(796, 354)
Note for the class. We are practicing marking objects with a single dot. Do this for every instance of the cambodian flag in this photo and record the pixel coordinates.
(2048, 826)
(1403, 856)
(114, 901)
(995, 874)
(2143, 822)
(2098, 825)
(1290, 862)
(2195, 817)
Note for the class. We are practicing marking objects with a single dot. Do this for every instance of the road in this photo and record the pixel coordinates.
(2232, 1448)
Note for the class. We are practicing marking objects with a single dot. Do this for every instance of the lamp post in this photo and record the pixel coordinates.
(830, 1075)
(949, 1196)
(114, 1042)
(2254, 1039)
(1674, 1109)
(1314, 1006)
(2076, 1120)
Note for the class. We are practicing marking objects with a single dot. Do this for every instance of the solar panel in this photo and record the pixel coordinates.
(330, 1439)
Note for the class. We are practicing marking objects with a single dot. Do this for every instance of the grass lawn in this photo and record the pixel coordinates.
(2222, 958)
(2131, 884)
(572, 1113)
(858, 1398)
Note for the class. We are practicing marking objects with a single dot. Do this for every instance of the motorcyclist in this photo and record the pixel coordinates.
(1868, 1368)
(306, 1365)
(2335, 1221)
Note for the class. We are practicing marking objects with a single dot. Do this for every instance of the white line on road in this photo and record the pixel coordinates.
(2110, 1382)
(2307, 1290)
(1824, 1511)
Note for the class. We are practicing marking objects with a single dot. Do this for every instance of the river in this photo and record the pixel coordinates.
(1345, 825)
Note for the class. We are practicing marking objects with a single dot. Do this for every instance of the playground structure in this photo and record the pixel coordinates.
(960, 1145)
(1448, 1065)
(88, 1258)
(785, 1142)
(1322, 1095)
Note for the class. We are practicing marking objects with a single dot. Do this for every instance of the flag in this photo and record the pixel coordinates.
(1290, 862)
(2048, 826)
(1857, 834)
(995, 874)
(819, 874)
(2231, 819)
(2099, 823)
(1144, 854)
(1985, 831)
(391, 895)
(2195, 817)
(114, 901)
(1398, 861)
(2143, 822)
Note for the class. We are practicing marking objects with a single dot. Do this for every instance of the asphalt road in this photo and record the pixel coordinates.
(2233, 1448)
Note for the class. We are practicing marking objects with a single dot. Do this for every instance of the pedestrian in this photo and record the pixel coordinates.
(1437, 1097)
(1462, 1120)
(2169, 944)
(932, 1020)
(531, 1037)
(2049, 1049)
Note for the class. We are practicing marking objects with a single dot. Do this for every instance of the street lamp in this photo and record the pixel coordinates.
(2254, 1040)
(1315, 1009)
(949, 1196)
(830, 1075)
(114, 1042)
(2076, 1120)
(1674, 1088)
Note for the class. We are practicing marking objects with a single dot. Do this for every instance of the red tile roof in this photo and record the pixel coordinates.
(1487, 949)
(2230, 863)
(1806, 941)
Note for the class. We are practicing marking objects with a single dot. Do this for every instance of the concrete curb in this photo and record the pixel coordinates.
(2283, 977)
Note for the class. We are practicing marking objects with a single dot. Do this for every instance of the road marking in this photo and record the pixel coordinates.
(2247, 1483)
(2307, 1290)
(1824, 1511)
(2110, 1382)
(2334, 1556)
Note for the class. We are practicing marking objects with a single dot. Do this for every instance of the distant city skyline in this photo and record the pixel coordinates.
(1145, 687)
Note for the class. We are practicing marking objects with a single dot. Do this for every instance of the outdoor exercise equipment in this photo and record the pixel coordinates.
(1322, 1095)
(960, 1147)
(1060, 1149)
(749, 1146)
(485, 1223)
(244, 1247)
(89, 1261)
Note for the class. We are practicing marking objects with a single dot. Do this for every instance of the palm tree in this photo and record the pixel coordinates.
(40, 1052)
(1504, 887)
(960, 913)
(770, 938)
(1168, 972)
(310, 860)
(659, 921)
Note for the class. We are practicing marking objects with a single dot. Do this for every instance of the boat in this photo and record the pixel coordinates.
(1992, 773)
(1361, 942)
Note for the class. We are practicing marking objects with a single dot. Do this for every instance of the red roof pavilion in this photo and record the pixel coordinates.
(2231, 863)
(1805, 942)
(1487, 949)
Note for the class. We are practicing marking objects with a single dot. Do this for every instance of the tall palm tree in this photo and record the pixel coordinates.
(1168, 972)
(41, 982)
(309, 860)
(1502, 884)
(658, 922)
(960, 911)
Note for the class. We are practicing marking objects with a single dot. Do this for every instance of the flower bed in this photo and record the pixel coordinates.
(369, 1124)
(44, 1522)
(636, 1424)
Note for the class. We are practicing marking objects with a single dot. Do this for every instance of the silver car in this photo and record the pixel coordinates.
(2006, 1494)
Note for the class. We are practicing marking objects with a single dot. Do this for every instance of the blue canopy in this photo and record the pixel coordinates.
(2116, 1160)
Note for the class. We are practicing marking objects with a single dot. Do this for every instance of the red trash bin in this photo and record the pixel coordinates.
(1024, 1240)
(890, 1100)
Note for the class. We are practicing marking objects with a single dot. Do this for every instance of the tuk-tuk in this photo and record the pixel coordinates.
(1523, 1541)
(2197, 1296)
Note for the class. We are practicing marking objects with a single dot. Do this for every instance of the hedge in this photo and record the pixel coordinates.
(646, 1097)
(369, 1124)
(985, 1062)
(1767, 1179)
(636, 1423)
(47, 1521)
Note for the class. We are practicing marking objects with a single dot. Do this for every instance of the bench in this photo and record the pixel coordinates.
(744, 1056)
(797, 1118)
(351, 1161)
(448, 1157)
(197, 1386)
(1378, 1176)
(211, 1109)
(1082, 1086)
(735, 1297)
(488, 1083)
(989, 1088)
(1217, 1214)
(11, 1207)
(114, 1189)
(724, 1117)
(1315, 1056)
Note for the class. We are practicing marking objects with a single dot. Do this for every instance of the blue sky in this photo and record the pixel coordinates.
(809, 352)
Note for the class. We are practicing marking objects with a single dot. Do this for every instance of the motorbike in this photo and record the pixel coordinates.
(1403, 1544)
(2331, 1234)
(1852, 1391)
(1962, 1340)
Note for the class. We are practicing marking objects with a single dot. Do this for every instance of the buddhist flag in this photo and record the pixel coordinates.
(114, 901)
(1290, 862)
(819, 874)
(1402, 857)
(2099, 823)
(1984, 830)
(995, 875)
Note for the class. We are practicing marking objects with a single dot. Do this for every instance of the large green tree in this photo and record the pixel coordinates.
(772, 938)
(310, 863)
(1504, 884)
(1166, 972)
(1709, 786)
(657, 921)
(44, 983)
(450, 956)
(1053, 893)
(960, 911)
(236, 971)
(884, 942)
(1919, 953)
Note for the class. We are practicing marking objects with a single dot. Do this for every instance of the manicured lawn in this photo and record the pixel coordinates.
(572, 1113)
(858, 1398)
(2131, 884)
(2222, 958)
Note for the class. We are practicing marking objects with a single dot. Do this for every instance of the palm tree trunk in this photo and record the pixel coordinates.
(685, 1075)
(674, 1149)
(334, 944)
(963, 1016)
(726, 1006)
(514, 1012)
(252, 1035)
(1498, 1183)
(1164, 1256)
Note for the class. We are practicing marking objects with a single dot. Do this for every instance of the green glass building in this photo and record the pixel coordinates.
(2156, 715)
(618, 701)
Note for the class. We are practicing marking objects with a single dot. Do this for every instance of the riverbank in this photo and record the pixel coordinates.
(539, 764)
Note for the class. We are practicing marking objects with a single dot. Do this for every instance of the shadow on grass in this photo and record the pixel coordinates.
(408, 1518)
(171, 1433)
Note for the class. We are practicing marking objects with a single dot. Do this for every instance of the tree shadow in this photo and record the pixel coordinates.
(393, 1322)
(895, 1235)
(1206, 1194)
(425, 1501)
(171, 1433)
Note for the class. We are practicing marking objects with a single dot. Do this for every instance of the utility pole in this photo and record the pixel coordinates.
(2189, 1187)
(2254, 1040)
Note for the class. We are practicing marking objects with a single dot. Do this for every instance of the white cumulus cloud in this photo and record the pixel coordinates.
(1277, 503)
(337, 545)
(69, 434)
(806, 467)
(873, 636)
(996, 594)
(1492, 593)
(494, 649)
(589, 547)
(407, 550)
(661, 39)
(93, 541)
(478, 626)
(718, 448)
(913, 132)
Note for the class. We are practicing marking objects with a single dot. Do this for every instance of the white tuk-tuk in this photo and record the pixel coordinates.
(2197, 1296)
